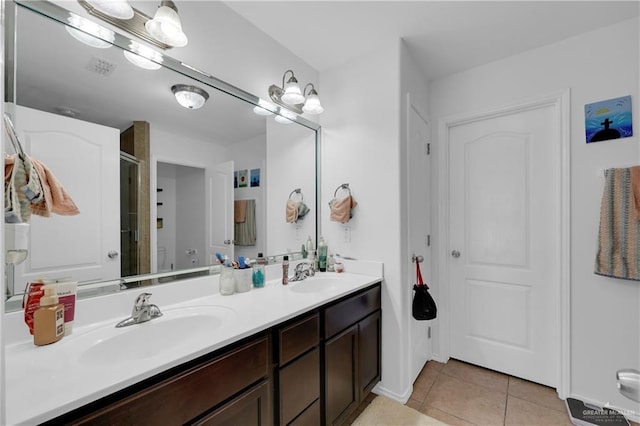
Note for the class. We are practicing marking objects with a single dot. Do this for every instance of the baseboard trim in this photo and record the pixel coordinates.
(401, 398)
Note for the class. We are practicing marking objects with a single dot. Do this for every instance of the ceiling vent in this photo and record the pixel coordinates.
(100, 66)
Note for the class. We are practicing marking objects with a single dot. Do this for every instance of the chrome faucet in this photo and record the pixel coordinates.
(303, 270)
(142, 311)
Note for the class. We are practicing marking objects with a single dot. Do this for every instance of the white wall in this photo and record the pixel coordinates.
(290, 165)
(603, 64)
(360, 146)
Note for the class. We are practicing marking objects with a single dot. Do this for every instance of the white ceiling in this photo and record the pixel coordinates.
(444, 37)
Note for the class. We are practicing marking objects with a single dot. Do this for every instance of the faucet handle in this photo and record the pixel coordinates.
(141, 300)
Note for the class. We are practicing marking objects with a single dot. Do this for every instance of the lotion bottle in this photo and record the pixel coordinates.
(48, 319)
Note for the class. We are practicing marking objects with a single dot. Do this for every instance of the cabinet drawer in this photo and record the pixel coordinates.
(299, 385)
(198, 390)
(349, 311)
(298, 338)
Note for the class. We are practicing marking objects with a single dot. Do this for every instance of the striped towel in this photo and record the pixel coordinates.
(618, 242)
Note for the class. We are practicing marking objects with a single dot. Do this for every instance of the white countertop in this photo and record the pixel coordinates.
(45, 382)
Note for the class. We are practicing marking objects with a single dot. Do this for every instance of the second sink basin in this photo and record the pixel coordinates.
(151, 338)
(317, 284)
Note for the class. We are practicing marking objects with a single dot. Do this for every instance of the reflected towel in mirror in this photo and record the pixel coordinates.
(56, 199)
(240, 211)
(245, 232)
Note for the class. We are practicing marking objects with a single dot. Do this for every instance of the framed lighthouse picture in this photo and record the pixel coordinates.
(610, 119)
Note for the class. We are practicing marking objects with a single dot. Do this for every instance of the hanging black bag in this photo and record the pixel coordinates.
(424, 307)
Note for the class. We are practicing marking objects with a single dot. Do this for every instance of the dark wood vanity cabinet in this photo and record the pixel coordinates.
(298, 372)
(311, 370)
(232, 387)
(352, 360)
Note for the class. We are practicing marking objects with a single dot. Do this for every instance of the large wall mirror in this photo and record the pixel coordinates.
(158, 186)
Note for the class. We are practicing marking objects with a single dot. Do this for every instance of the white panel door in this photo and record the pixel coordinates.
(221, 199)
(419, 219)
(85, 158)
(504, 219)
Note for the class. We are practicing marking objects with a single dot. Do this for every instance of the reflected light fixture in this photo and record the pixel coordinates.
(188, 96)
(89, 32)
(290, 96)
(285, 117)
(264, 108)
(119, 9)
(143, 56)
(166, 26)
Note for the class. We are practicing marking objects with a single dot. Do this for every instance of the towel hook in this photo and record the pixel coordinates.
(418, 259)
(13, 136)
(297, 191)
(343, 186)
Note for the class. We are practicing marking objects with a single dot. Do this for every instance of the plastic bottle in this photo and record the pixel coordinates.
(261, 260)
(48, 319)
(285, 270)
(309, 244)
(322, 255)
(331, 263)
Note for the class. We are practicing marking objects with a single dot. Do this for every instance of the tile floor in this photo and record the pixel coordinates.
(458, 393)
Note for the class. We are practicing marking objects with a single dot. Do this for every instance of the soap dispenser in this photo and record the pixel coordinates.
(48, 319)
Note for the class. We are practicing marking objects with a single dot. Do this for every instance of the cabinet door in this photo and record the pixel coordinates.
(249, 409)
(341, 372)
(299, 385)
(368, 354)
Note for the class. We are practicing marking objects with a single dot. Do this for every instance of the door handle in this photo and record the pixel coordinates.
(227, 242)
(112, 254)
(455, 253)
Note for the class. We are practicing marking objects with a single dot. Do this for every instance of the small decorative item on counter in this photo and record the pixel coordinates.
(227, 282)
(257, 275)
(322, 255)
(48, 319)
(285, 270)
(31, 301)
(339, 266)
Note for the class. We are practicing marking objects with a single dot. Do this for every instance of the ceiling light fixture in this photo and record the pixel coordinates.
(119, 9)
(166, 26)
(143, 56)
(89, 32)
(191, 97)
(290, 96)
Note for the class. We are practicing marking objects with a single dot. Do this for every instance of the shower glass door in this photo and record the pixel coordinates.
(129, 214)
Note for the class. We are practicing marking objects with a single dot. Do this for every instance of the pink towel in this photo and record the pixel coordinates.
(341, 209)
(56, 198)
(292, 211)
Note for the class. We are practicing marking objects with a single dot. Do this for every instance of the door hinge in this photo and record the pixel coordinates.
(428, 240)
(427, 148)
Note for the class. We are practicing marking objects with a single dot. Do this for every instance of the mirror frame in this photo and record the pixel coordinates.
(52, 11)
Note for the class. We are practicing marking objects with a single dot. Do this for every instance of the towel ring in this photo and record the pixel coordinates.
(343, 186)
(297, 191)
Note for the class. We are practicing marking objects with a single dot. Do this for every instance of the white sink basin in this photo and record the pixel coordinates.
(152, 338)
(317, 284)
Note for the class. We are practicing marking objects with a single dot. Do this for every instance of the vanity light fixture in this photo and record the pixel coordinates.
(188, 96)
(143, 56)
(119, 9)
(166, 26)
(312, 101)
(264, 108)
(89, 32)
(290, 96)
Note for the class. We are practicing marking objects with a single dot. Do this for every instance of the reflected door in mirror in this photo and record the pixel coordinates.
(84, 157)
